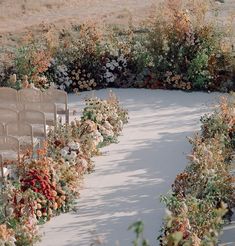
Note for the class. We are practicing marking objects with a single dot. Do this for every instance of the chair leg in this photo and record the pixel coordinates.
(67, 116)
(2, 171)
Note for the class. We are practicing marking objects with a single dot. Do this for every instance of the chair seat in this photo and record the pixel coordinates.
(38, 130)
(9, 155)
(60, 108)
(50, 119)
(26, 141)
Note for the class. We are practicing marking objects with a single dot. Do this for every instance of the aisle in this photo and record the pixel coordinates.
(131, 175)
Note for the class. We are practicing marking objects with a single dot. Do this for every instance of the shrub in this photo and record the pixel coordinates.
(204, 193)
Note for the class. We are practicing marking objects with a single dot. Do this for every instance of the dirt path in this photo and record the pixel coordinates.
(132, 175)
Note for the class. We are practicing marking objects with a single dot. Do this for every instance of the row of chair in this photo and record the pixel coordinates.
(23, 130)
(34, 99)
(31, 113)
(19, 131)
(24, 116)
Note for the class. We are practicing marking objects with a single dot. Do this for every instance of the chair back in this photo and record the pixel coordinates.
(8, 115)
(53, 95)
(34, 118)
(19, 129)
(8, 95)
(23, 131)
(30, 95)
(8, 143)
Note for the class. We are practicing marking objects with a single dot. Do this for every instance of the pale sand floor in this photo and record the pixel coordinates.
(132, 175)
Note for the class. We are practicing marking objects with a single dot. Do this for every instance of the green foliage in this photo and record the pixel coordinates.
(138, 228)
(204, 193)
(198, 70)
(23, 61)
(175, 48)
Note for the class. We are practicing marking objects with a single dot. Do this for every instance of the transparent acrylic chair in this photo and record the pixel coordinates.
(60, 98)
(35, 118)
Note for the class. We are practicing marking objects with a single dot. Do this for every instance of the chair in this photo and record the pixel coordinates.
(49, 109)
(8, 97)
(24, 133)
(9, 148)
(29, 95)
(8, 115)
(60, 98)
(36, 119)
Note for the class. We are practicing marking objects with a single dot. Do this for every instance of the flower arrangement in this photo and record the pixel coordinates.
(39, 188)
(19, 225)
(7, 236)
(203, 194)
(175, 48)
(107, 114)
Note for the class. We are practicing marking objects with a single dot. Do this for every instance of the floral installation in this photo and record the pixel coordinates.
(19, 225)
(107, 114)
(175, 48)
(36, 189)
(203, 195)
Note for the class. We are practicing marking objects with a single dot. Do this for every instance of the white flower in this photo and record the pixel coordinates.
(100, 139)
(107, 125)
(73, 162)
(168, 212)
(68, 83)
(67, 164)
(62, 87)
(105, 132)
(114, 116)
(5, 171)
(111, 79)
(211, 171)
(97, 136)
(74, 146)
(99, 117)
(73, 155)
(120, 125)
(108, 74)
(63, 152)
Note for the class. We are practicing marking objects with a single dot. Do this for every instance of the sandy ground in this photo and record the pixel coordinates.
(131, 175)
(18, 17)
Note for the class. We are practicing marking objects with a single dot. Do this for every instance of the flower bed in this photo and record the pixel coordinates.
(203, 195)
(176, 48)
(38, 189)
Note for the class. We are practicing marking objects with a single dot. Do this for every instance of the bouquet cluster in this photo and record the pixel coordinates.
(108, 116)
(47, 186)
(203, 195)
(175, 48)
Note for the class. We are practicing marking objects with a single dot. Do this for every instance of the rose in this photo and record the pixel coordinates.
(39, 214)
